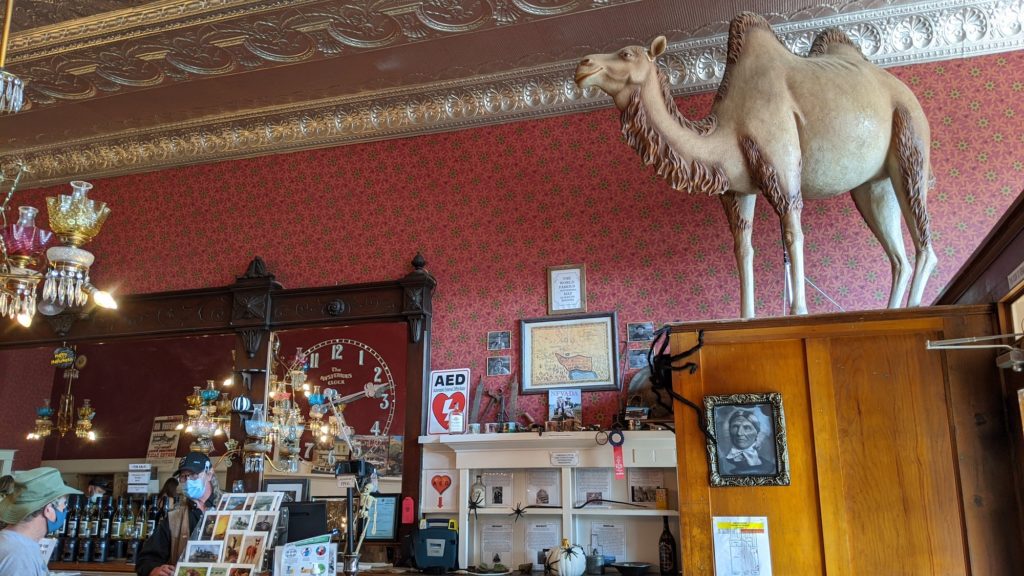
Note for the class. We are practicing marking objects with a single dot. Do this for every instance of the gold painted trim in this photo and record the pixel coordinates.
(492, 99)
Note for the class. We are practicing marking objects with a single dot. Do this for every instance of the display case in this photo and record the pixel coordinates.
(568, 467)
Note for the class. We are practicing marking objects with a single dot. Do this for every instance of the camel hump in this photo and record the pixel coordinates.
(743, 23)
(828, 39)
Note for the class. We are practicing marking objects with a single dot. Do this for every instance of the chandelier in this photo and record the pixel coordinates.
(68, 417)
(75, 219)
(283, 422)
(12, 89)
(208, 415)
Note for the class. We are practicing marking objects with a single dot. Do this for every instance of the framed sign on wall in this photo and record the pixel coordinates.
(567, 289)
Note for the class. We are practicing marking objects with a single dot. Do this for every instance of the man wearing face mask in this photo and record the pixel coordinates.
(97, 489)
(162, 549)
(34, 503)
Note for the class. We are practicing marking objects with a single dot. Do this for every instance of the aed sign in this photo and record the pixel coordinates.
(449, 390)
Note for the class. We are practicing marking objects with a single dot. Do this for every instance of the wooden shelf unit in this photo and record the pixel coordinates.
(472, 454)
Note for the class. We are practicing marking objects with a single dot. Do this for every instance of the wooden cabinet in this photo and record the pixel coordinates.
(899, 455)
(517, 454)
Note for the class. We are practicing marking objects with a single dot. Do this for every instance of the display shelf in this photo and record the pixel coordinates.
(624, 512)
(521, 454)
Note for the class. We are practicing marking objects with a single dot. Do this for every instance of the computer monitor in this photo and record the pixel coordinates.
(305, 520)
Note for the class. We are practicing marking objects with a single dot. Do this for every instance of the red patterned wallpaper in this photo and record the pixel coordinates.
(490, 208)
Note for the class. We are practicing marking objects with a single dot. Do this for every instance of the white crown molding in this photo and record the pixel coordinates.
(895, 36)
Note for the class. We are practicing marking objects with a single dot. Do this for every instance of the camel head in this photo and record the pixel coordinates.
(621, 73)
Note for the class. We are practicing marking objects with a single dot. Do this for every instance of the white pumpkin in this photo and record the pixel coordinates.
(566, 560)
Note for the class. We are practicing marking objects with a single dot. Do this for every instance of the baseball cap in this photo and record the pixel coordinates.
(194, 462)
(30, 491)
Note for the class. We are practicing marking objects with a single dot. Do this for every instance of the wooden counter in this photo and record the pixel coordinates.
(93, 568)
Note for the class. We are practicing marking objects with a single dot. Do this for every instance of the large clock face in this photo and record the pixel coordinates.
(346, 359)
(347, 366)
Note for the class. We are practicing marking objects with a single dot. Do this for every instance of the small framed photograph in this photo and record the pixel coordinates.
(567, 289)
(233, 546)
(637, 358)
(292, 490)
(266, 501)
(240, 520)
(499, 365)
(265, 522)
(231, 502)
(203, 550)
(749, 446)
(640, 331)
(209, 522)
(570, 352)
(337, 517)
(501, 340)
(192, 569)
(253, 545)
(220, 528)
(219, 569)
(242, 570)
(565, 404)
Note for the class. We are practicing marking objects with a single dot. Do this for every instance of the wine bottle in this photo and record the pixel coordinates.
(116, 524)
(128, 526)
(668, 562)
(108, 514)
(95, 511)
(142, 522)
(154, 515)
(83, 519)
(72, 521)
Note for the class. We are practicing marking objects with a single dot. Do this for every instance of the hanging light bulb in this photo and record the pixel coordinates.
(24, 319)
(102, 298)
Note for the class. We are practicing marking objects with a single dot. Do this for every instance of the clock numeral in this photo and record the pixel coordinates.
(314, 360)
(377, 371)
(309, 450)
(375, 429)
(336, 351)
(361, 352)
(384, 401)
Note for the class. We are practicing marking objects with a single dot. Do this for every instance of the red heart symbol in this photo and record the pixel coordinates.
(441, 483)
(443, 405)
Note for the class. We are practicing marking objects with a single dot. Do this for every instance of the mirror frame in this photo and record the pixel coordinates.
(252, 307)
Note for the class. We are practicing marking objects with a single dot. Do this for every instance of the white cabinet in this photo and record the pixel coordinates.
(573, 456)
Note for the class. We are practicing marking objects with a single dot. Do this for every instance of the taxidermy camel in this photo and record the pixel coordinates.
(788, 128)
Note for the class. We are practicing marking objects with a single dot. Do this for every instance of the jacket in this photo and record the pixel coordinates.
(168, 542)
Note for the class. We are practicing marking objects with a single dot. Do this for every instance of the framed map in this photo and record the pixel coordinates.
(570, 352)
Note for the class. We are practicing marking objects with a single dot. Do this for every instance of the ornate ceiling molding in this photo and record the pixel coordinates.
(903, 35)
(178, 41)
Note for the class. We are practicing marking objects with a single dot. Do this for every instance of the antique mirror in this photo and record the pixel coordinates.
(142, 361)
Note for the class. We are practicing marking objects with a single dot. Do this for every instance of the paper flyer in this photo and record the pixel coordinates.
(741, 546)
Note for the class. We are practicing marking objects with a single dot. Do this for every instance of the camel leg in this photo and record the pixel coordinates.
(739, 209)
(877, 203)
(783, 193)
(908, 169)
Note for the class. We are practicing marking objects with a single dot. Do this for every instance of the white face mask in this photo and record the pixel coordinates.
(96, 496)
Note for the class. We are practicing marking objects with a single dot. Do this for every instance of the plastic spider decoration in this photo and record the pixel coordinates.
(519, 511)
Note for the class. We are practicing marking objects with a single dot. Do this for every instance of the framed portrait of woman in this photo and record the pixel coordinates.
(748, 442)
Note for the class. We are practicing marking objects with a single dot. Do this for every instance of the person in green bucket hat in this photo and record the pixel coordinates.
(34, 503)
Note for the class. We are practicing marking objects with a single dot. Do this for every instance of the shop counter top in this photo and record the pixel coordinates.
(93, 568)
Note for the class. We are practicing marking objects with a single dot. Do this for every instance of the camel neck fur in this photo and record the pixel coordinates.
(656, 130)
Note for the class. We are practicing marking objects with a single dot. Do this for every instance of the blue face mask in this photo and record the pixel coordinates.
(195, 487)
(58, 522)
